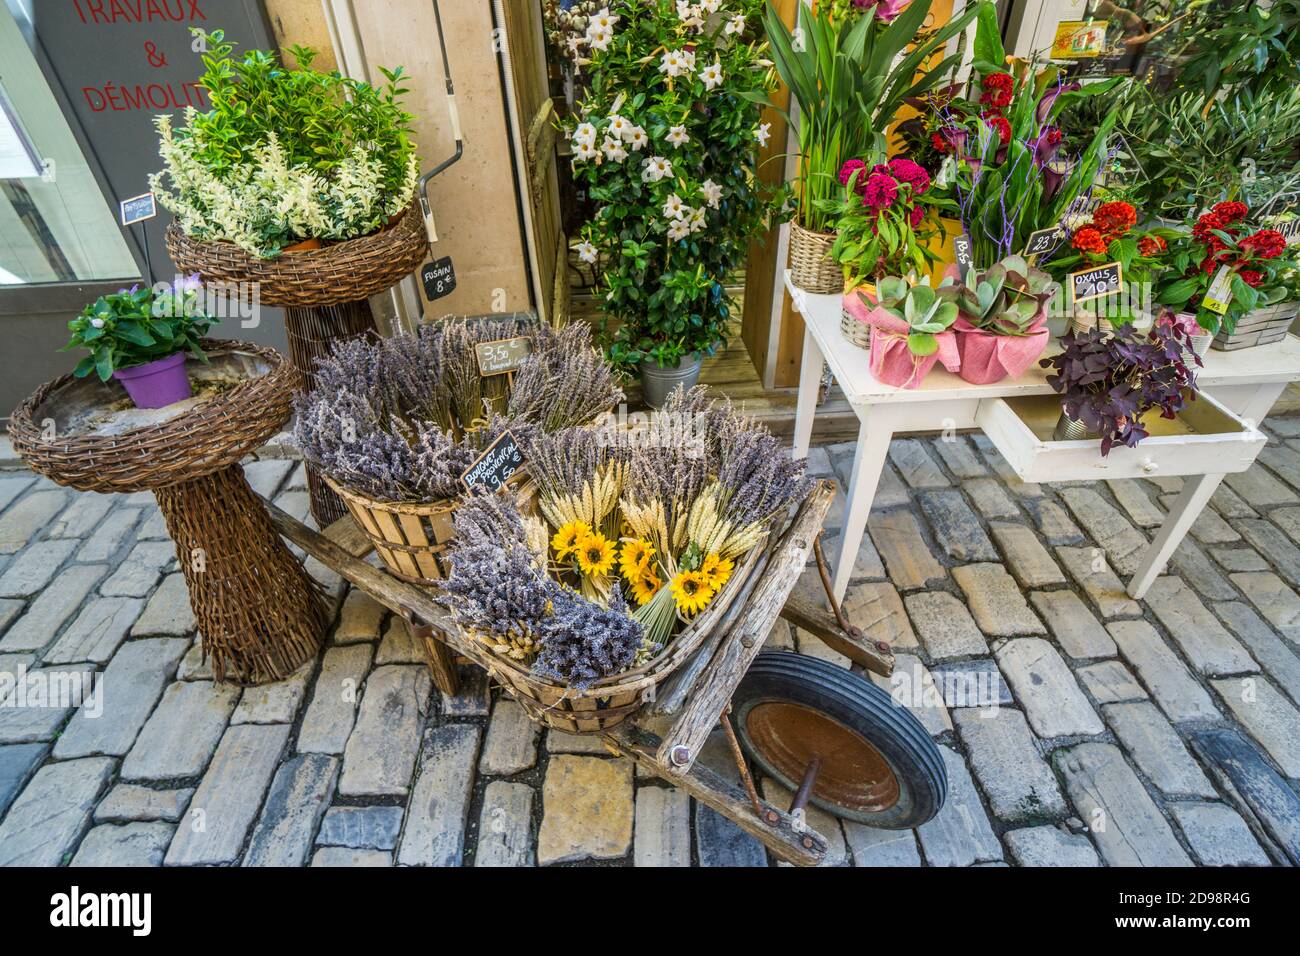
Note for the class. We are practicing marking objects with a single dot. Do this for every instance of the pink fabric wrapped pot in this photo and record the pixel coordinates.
(892, 362)
(987, 358)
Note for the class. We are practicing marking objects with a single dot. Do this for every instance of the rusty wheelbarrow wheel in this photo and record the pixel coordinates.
(874, 762)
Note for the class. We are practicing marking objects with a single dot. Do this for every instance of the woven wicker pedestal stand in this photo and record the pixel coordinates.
(323, 292)
(260, 613)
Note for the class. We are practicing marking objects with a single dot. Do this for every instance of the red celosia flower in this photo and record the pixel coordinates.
(1000, 124)
(1252, 277)
(1203, 233)
(880, 191)
(909, 172)
(915, 216)
(1090, 239)
(1265, 244)
(1114, 218)
(849, 168)
(1231, 211)
(939, 143)
(997, 89)
(1151, 246)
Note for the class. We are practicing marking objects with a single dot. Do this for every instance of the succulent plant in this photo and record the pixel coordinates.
(1005, 299)
(925, 311)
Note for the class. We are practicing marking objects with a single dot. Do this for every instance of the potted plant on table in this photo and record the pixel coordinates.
(141, 337)
(910, 330)
(1001, 327)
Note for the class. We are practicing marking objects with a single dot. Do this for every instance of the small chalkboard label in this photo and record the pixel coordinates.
(495, 466)
(1094, 283)
(961, 246)
(439, 278)
(1043, 240)
(503, 355)
(138, 209)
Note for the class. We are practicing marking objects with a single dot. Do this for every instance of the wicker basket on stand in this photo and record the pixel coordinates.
(811, 266)
(410, 537)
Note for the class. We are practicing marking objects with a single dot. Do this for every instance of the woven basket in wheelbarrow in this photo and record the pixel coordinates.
(410, 537)
(338, 272)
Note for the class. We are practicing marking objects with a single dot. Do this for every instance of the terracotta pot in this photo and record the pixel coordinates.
(304, 245)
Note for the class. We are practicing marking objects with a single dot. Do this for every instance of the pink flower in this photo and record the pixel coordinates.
(916, 215)
(880, 191)
(910, 173)
(849, 168)
(888, 10)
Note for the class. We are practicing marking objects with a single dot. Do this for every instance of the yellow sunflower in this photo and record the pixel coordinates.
(595, 554)
(717, 570)
(691, 591)
(634, 559)
(645, 588)
(565, 541)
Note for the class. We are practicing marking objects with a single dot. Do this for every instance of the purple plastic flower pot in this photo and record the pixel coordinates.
(158, 383)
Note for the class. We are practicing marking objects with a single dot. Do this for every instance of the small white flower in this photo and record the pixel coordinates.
(735, 26)
(97, 323)
(677, 136)
(710, 6)
(618, 127)
(655, 168)
(678, 229)
(674, 208)
(600, 40)
(711, 75)
(672, 63)
(575, 44)
(763, 133)
(712, 193)
(688, 60)
(637, 139)
(696, 219)
(586, 251)
(602, 21)
(613, 150)
(690, 14)
(584, 135)
(585, 151)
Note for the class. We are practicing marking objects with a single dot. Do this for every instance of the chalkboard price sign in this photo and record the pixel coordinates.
(1097, 282)
(138, 209)
(503, 355)
(439, 278)
(1044, 240)
(495, 466)
(961, 246)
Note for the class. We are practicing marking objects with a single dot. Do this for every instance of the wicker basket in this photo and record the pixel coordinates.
(811, 266)
(340, 272)
(1260, 327)
(410, 537)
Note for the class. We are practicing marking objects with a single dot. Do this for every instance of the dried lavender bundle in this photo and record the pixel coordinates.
(583, 642)
(566, 380)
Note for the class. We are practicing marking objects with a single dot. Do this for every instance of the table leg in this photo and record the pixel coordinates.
(868, 462)
(260, 613)
(810, 380)
(1194, 496)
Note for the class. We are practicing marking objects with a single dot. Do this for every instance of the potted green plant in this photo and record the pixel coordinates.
(850, 75)
(665, 143)
(910, 330)
(1001, 327)
(141, 337)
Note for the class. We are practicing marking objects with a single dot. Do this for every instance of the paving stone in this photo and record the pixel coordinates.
(721, 843)
(97, 632)
(1277, 602)
(1286, 427)
(878, 611)
(1288, 519)
(226, 801)
(781, 637)
(976, 683)
(1135, 501)
(818, 462)
(1277, 660)
(296, 503)
(380, 755)
(866, 564)
(663, 827)
(911, 685)
(110, 536)
(180, 737)
(134, 844)
(1253, 785)
(1110, 799)
(48, 613)
(1259, 488)
(154, 527)
(1106, 526)
(511, 744)
(956, 529)
(398, 647)
(34, 568)
(1267, 539)
(12, 485)
(504, 831)
(906, 555)
(1218, 835)
(945, 626)
(996, 602)
(1088, 567)
(37, 706)
(434, 834)
(47, 818)
(1193, 566)
(1110, 683)
(17, 763)
(10, 664)
(275, 703)
(1151, 741)
(816, 819)
(1230, 504)
(872, 846)
(1004, 756)
(265, 476)
(474, 697)
(125, 696)
(1283, 461)
(587, 810)
(195, 665)
(1004, 470)
(137, 576)
(1053, 703)
(1050, 846)
(959, 834)
(362, 828)
(1029, 561)
(341, 856)
(890, 491)
(1170, 682)
(1073, 625)
(990, 499)
(20, 524)
(1210, 648)
(9, 610)
(1267, 716)
(129, 803)
(1054, 523)
(558, 742)
(295, 804)
(1239, 559)
(915, 464)
(168, 611)
(959, 456)
(360, 618)
(332, 711)
(1210, 528)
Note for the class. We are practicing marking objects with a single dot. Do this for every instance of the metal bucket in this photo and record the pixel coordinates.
(657, 383)
(1070, 429)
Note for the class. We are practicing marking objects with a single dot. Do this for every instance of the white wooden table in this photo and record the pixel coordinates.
(1245, 383)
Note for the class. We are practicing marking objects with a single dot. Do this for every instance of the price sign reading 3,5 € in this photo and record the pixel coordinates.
(495, 466)
(503, 355)
(1096, 282)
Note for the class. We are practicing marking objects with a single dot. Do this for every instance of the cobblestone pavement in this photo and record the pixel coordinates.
(1156, 733)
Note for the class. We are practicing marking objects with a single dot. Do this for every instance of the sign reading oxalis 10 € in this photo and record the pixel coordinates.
(503, 355)
(1096, 282)
(495, 467)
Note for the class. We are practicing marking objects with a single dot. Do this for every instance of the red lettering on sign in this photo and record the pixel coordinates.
(138, 11)
(152, 97)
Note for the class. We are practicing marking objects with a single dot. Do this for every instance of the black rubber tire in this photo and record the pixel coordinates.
(864, 708)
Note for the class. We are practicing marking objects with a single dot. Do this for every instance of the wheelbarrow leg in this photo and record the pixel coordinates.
(442, 665)
(743, 766)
